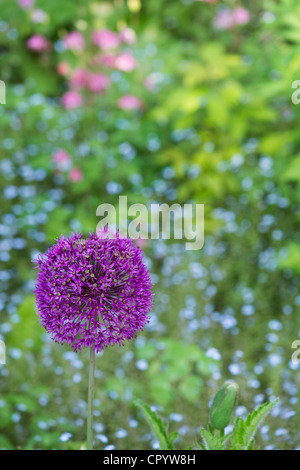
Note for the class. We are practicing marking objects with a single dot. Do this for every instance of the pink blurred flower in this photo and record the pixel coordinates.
(125, 62)
(128, 35)
(224, 20)
(108, 60)
(63, 68)
(74, 41)
(141, 242)
(207, 1)
(130, 102)
(106, 39)
(38, 43)
(98, 83)
(241, 15)
(38, 16)
(71, 100)
(26, 3)
(79, 78)
(62, 160)
(75, 175)
(149, 83)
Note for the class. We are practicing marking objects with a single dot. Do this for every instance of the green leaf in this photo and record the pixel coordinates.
(156, 424)
(212, 442)
(244, 431)
(172, 437)
(200, 445)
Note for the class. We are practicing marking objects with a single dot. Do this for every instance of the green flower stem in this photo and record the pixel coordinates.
(90, 401)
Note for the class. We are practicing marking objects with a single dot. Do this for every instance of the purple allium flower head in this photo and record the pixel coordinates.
(93, 292)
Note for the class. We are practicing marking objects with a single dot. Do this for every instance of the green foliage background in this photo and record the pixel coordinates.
(219, 129)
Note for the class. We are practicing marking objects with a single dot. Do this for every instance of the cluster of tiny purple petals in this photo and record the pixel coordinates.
(93, 292)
